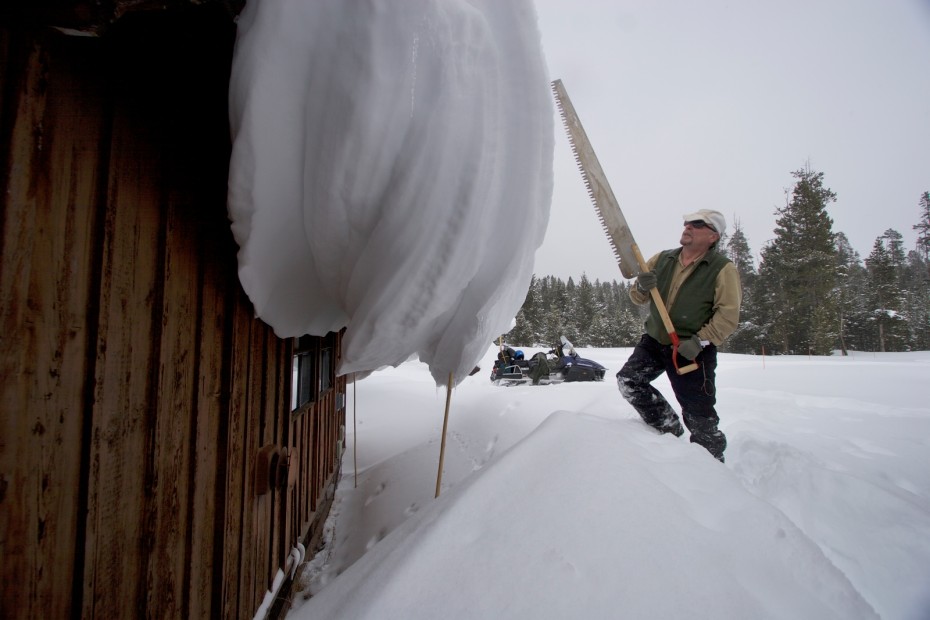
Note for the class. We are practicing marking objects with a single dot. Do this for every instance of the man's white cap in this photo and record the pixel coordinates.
(714, 218)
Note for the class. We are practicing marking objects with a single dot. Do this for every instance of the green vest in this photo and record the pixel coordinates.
(694, 304)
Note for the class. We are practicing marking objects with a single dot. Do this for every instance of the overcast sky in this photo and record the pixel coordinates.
(713, 104)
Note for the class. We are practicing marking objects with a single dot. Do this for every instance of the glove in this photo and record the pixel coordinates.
(646, 281)
(690, 348)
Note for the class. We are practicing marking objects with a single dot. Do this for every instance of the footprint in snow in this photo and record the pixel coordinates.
(376, 493)
(377, 538)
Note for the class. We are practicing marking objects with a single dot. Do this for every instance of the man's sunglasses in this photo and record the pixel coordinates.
(700, 224)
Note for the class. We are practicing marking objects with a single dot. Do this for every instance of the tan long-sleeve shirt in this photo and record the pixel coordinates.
(728, 296)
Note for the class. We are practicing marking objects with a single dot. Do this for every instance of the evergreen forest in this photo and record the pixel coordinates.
(811, 293)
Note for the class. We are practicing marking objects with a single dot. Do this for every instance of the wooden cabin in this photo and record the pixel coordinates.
(162, 453)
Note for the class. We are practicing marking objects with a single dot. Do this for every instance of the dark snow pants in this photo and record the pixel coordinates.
(695, 391)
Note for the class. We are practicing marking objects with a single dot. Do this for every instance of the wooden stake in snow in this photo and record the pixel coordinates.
(445, 425)
(354, 434)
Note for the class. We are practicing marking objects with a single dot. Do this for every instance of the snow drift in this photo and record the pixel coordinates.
(524, 511)
(822, 509)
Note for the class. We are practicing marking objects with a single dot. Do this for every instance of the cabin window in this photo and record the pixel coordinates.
(327, 364)
(305, 384)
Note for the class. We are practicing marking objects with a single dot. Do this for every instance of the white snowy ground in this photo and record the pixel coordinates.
(557, 502)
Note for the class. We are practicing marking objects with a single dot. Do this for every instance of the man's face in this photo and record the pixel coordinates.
(698, 236)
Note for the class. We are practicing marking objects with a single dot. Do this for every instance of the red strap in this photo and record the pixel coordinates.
(675, 343)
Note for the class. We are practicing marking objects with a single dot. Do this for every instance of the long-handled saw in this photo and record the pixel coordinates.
(629, 258)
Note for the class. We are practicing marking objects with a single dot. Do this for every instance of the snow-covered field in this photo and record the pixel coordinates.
(557, 502)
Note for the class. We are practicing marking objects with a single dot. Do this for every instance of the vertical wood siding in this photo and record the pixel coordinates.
(45, 337)
(136, 387)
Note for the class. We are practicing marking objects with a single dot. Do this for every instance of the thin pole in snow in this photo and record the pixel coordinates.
(354, 433)
(445, 425)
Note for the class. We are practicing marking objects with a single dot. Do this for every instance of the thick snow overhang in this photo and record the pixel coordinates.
(391, 173)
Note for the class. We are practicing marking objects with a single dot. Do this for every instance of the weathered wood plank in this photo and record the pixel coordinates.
(257, 522)
(18, 525)
(307, 472)
(119, 525)
(237, 423)
(285, 438)
(51, 158)
(301, 443)
(277, 416)
(207, 496)
(321, 466)
(169, 477)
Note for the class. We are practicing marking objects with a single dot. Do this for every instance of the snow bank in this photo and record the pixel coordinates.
(580, 520)
(838, 446)
(391, 172)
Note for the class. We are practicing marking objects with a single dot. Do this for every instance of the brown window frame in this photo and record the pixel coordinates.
(327, 376)
(313, 371)
(305, 373)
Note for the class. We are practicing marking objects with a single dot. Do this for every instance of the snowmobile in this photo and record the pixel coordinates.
(561, 364)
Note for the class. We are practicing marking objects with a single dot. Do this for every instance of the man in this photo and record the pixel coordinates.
(701, 290)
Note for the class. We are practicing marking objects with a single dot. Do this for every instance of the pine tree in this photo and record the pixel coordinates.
(599, 335)
(896, 252)
(798, 270)
(737, 250)
(531, 308)
(748, 335)
(584, 311)
(548, 318)
(923, 227)
(520, 332)
(527, 320)
(558, 312)
(850, 289)
(917, 280)
(916, 285)
(630, 318)
(886, 299)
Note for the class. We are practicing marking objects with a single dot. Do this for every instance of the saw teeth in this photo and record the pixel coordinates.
(573, 125)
